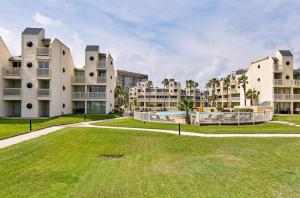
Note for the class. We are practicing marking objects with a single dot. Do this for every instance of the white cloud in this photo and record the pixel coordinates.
(46, 21)
(11, 40)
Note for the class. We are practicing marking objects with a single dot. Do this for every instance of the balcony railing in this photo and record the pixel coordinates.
(296, 83)
(95, 95)
(43, 72)
(43, 92)
(286, 96)
(88, 95)
(233, 90)
(102, 64)
(235, 99)
(78, 95)
(101, 79)
(12, 71)
(43, 51)
(78, 79)
(278, 82)
(12, 91)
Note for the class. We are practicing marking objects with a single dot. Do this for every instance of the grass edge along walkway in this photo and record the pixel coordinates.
(266, 128)
(15, 127)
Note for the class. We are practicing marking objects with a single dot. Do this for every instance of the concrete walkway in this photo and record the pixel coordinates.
(194, 134)
(28, 136)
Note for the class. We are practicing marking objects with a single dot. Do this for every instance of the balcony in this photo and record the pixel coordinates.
(12, 72)
(296, 83)
(43, 72)
(282, 97)
(101, 79)
(42, 93)
(233, 82)
(233, 91)
(44, 51)
(95, 95)
(235, 99)
(78, 79)
(278, 82)
(78, 95)
(12, 91)
(102, 64)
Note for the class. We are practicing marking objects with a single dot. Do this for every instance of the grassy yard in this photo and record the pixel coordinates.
(258, 128)
(12, 127)
(288, 118)
(66, 164)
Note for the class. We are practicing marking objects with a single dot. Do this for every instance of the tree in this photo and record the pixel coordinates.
(213, 99)
(195, 93)
(165, 82)
(212, 84)
(119, 95)
(186, 106)
(251, 95)
(149, 85)
(243, 80)
(189, 84)
(226, 84)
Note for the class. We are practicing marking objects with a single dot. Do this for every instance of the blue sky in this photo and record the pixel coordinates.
(192, 39)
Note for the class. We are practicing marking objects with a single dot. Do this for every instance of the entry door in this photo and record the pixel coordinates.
(16, 108)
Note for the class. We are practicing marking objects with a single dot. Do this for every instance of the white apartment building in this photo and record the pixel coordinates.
(38, 83)
(93, 85)
(144, 98)
(277, 82)
(232, 96)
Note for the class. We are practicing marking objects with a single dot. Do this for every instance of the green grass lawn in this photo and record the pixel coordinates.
(288, 118)
(12, 127)
(258, 128)
(66, 164)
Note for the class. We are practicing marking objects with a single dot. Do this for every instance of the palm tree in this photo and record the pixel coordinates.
(243, 80)
(186, 106)
(226, 84)
(251, 94)
(189, 84)
(213, 99)
(212, 84)
(149, 85)
(119, 94)
(165, 82)
(195, 93)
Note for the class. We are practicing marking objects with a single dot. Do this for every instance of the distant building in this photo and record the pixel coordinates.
(127, 79)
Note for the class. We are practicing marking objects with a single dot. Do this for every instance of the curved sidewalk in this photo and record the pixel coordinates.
(28, 136)
(194, 134)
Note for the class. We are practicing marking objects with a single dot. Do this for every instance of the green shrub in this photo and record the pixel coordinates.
(242, 110)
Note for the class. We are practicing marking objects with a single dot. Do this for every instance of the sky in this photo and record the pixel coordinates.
(181, 39)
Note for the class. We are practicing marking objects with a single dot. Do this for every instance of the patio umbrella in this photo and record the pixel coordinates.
(201, 108)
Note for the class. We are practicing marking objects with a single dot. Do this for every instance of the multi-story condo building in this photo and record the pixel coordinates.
(93, 85)
(127, 80)
(43, 81)
(36, 84)
(276, 82)
(227, 93)
(143, 97)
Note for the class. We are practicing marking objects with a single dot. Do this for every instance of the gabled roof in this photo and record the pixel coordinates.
(92, 48)
(32, 31)
(285, 52)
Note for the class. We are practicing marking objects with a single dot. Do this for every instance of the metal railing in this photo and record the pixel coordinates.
(102, 64)
(12, 71)
(43, 92)
(12, 91)
(286, 96)
(78, 79)
(43, 72)
(88, 95)
(296, 82)
(43, 51)
(278, 82)
(101, 79)
(208, 118)
(78, 95)
(95, 95)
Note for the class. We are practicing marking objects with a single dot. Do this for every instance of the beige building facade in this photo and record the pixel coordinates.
(38, 83)
(144, 98)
